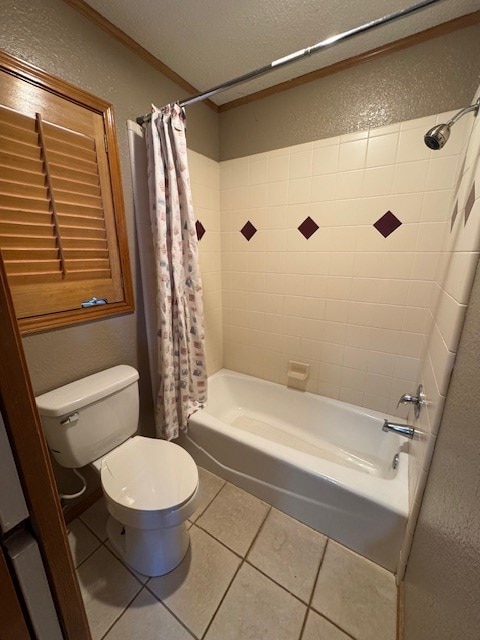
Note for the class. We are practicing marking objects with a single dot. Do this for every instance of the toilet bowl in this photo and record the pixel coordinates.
(151, 489)
(150, 486)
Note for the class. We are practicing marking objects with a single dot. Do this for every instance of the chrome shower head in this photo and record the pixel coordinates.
(437, 136)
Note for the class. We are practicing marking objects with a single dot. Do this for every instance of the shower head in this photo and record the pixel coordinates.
(437, 136)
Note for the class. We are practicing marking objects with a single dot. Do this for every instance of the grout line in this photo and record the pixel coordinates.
(91, 530)
(401, 611)
(334, 624)
(88, 556)
(311, 608)
(279, 584)
(260, 528)
(212, 499)
(237, 571)
(228, 586)
(123, 563)
(221, 600)
(309, 604)
(236, 553)
(117, 619)
(189, 631)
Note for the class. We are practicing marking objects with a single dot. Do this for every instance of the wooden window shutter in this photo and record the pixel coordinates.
(62, 231)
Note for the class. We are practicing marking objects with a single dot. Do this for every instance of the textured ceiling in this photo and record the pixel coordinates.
(210, 41)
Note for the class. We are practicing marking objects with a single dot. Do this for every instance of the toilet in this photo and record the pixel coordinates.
(150, 486)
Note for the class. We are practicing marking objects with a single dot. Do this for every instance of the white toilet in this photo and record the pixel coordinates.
(150, 486)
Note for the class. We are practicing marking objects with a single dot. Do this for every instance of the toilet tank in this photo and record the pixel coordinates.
(87, 418)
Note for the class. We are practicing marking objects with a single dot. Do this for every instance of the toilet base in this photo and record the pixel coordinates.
(151, 552)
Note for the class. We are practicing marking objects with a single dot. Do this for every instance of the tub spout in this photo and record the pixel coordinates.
(402, 429)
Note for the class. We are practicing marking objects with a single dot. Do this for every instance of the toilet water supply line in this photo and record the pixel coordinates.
(71, 496)
(297, 55)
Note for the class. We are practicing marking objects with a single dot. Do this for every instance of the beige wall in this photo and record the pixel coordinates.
(54, 37)
(354, 305)
(427, 78)
(442, 586)
(205, 181)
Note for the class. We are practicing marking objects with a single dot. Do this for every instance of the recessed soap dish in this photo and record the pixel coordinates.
(297, 375)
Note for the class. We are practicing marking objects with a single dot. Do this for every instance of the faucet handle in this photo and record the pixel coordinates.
(408, 399)
(418, 400)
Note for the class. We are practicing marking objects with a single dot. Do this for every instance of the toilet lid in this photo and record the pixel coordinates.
(149, 475)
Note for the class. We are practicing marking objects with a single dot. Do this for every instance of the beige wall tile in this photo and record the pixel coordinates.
(350, 184)
(300, 163)
(410, 177)
(347, 297)
(459, 277)
(378, 181)
(325, 160)
(411, 146)
(381, 149)
(277, 167)
(352, 155)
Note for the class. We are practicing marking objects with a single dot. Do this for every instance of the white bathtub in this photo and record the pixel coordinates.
(325, 462)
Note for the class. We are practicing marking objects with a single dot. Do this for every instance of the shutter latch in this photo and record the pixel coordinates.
(94, 302)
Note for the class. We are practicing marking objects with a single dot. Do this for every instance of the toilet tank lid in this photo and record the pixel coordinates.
(80, 393)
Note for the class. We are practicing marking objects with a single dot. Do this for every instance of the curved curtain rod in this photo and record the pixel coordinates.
(297, 55)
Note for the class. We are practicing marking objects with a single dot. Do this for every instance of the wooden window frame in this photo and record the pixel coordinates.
(28, 73)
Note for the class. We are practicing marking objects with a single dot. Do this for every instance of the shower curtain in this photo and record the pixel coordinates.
(177, 352)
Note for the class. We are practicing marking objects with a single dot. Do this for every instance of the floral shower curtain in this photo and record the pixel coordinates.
(180, 324)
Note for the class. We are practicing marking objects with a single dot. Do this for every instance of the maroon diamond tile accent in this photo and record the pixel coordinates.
(200, 229)
(248, 230)
(308, 227)
(454, 216)
(387, 224)
(470, 202)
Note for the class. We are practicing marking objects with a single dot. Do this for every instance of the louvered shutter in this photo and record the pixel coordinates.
(58, 235)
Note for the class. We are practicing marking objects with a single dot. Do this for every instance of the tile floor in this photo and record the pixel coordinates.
(252, 573)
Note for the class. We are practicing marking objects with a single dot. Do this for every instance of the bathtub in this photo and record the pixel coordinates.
(324, 462)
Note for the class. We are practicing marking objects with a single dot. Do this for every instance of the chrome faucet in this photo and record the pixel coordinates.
(402, 429)
(418, 400)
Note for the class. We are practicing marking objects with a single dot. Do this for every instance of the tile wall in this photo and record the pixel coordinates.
(452, 284)
(329, 256)
(205, 183)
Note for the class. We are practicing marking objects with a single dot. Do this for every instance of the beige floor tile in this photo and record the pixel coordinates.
(148, 619)
(210, 485)
(81, 540)
(255, 608)
(139, 576)
(317, 628)
(289, 552)
(356, 594)
(95, 517)
(234, 518)
(195, 588)
(107, 588)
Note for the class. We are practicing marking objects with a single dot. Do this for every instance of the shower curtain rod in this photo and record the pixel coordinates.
(297, 55)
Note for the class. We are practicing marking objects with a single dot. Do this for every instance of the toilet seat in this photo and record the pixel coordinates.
(149, 484)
